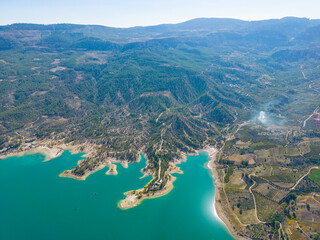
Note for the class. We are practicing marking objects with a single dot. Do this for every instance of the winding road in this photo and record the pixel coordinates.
(300, 179)
(254, 199)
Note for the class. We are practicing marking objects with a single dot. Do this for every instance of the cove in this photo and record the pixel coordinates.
(36, 204)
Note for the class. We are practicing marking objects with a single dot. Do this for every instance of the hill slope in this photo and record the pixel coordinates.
(164, 90)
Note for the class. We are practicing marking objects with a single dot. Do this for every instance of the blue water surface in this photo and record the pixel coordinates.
(36, 204)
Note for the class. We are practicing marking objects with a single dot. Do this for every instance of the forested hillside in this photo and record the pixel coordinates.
(162, 90)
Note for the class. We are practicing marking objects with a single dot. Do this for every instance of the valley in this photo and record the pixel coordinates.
(249, 89)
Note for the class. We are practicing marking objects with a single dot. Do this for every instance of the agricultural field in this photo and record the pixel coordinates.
(260, 170)
(275, 155)
(314, 151)
(283, 177)
(240, 199)
(236, 180)
(169, 93)
(283, 184)
(307, 186)
(238, 158)
(304, 147)
(265, 208)
(315, 175)
(271, 192)
(275, 163)
(307, 210)
(294, 232)
(257, 231)
(248, 217)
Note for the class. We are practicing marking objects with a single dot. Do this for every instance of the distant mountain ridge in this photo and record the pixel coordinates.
(164, 90)
(289, 26)
(246, 88)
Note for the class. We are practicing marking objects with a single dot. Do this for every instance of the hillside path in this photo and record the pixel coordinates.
(300, 179)
(254, 199)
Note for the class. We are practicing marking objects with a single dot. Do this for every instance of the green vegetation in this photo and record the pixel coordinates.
(315, 175)
(283, 177)
(257, 231)
(262, 145)
(228, 174)
(172, 90)
(265, 207)
(314, 154)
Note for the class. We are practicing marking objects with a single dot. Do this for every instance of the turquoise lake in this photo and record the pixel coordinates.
(36, 204)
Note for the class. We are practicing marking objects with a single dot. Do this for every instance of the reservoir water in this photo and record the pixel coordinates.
(36, 204)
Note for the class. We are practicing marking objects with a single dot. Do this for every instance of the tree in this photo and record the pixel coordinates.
(308, 207)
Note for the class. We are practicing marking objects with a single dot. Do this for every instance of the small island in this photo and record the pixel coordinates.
(247, 92)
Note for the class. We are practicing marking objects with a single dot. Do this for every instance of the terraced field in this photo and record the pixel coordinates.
(271, 192)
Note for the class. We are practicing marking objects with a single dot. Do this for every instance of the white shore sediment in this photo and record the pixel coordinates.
(212, 154)
(52, 151)
(132, 199)
(112, 169)
(218, 210)
(69, 174)
(109, 162)
(50, 148)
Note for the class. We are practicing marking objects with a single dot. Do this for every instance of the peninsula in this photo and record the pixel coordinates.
(247, 92)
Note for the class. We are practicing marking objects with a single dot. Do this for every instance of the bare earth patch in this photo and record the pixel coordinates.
(56, 61)
(36, 93)
(3, 61)
(248, 217)
(239, 158)
(57, 69)
(284, 184)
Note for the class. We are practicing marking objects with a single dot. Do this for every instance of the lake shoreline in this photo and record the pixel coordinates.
(52, 151)
(218, 209)
(127, 203)
(49, 153)
(132, 199)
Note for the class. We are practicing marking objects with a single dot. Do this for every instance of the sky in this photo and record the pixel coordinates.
(129, 13)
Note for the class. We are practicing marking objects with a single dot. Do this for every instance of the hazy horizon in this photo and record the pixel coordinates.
(156, 24)
(125, 13)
